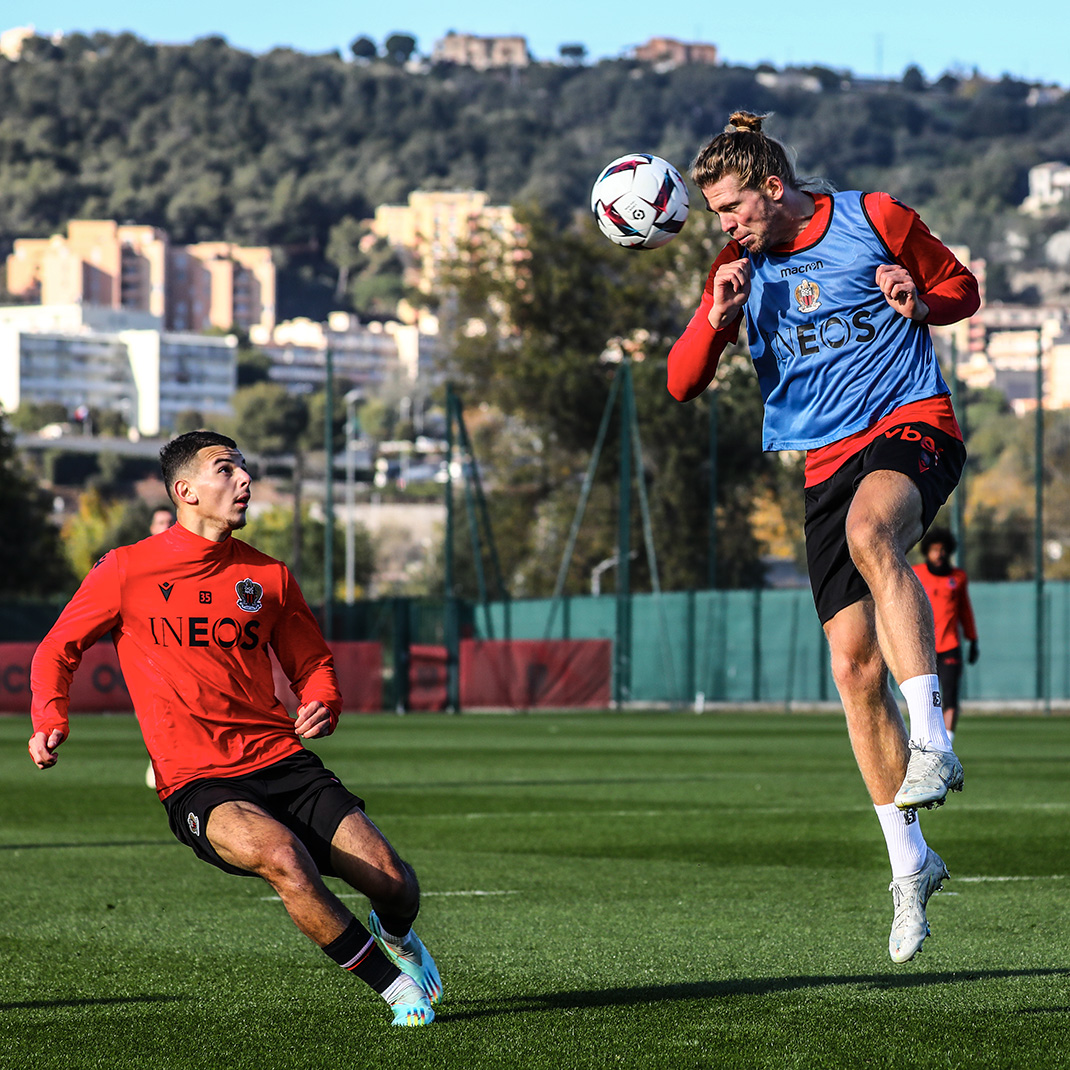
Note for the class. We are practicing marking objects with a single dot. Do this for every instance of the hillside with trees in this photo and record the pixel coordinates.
(214, 143)
(295, 150)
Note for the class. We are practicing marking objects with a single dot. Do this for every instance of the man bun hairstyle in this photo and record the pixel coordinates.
(741, 149)
(179, 454)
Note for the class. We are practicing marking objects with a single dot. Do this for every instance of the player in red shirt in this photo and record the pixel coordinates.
(192, 613)
(836, 291)
(953, 617)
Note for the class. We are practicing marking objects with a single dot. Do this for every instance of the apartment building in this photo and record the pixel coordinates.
(147, 375)
(1049, 187)
(668, 52)
(136, 268)
(481, 53)
(366, 356)
(432, 229)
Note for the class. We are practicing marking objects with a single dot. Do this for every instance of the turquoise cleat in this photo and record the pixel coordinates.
(412, 958)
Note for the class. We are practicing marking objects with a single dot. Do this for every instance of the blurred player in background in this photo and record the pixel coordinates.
(837, 291)
(192, 613)
(946, 587)
(162, 519)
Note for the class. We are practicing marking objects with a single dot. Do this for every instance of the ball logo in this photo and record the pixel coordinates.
(249, 594)
(808, 296)
(194, 823)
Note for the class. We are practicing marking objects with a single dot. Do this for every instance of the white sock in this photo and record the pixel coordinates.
(906, 845)
(950, 736)
(926, 717)
(397, 989)
(390, 938)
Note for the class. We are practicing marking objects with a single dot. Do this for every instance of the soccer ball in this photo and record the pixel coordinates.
(640, 201)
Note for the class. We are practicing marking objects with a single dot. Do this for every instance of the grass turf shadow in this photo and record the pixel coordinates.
(761, 986)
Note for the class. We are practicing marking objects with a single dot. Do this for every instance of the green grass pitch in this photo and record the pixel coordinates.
(601, 890)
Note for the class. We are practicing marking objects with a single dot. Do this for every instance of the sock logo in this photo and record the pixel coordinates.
(936, 700)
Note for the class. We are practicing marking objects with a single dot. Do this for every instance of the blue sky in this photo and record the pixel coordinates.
(1028, 40)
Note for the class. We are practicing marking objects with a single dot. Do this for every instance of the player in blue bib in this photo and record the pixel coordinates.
(837, 291)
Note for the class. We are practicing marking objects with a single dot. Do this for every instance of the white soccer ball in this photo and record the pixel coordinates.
(640, 201)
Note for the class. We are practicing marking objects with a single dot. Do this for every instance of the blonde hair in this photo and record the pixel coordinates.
(744, 151)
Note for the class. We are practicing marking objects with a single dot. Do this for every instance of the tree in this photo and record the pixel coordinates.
(343, 250)
(272, 421)
(914, 79)
(254, 366)
(32, 416)
(399, 47)
(378, 282)
(101, 524)
(540, 330)
(271, 533)
(363, 48)
(32, 561)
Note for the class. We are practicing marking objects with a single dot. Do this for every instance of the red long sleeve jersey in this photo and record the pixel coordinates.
(947, 287)
(192, 621)
(951, 606)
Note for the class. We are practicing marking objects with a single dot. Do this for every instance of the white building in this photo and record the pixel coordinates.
(50, 354)
(1049, 186)
(364, 355)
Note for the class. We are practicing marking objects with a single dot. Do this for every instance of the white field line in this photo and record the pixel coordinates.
(475, 892)
(586, 815)
(1001, 880)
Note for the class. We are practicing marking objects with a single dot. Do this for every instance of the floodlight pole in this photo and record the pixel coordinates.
(622, 677)
(328, 500)
(1038, 528)
(711, 553)
(351, 399)
(453, 637)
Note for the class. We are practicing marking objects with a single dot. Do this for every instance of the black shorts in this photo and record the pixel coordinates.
(297, 791)
(949, 669)
(932, 458)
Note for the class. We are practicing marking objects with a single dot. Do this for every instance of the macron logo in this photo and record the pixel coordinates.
(165, 589)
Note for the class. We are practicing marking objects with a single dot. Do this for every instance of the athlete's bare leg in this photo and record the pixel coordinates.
(884, 521)
(874, 723)
(247, 836)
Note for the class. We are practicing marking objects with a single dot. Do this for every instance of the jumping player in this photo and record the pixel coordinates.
(838, 290)
(949, 596)
(192, 613)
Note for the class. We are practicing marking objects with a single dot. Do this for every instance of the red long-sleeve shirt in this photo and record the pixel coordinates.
(192, 621)
(951, 604)
(946, 286)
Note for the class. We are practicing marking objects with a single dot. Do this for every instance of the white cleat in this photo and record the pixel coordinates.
(930, 775)
(910, 896)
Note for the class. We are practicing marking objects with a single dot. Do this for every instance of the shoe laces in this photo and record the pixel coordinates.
(929, 762)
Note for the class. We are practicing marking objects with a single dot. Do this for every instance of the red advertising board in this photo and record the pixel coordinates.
(427, 677)
(98, 685)
(526, 674)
